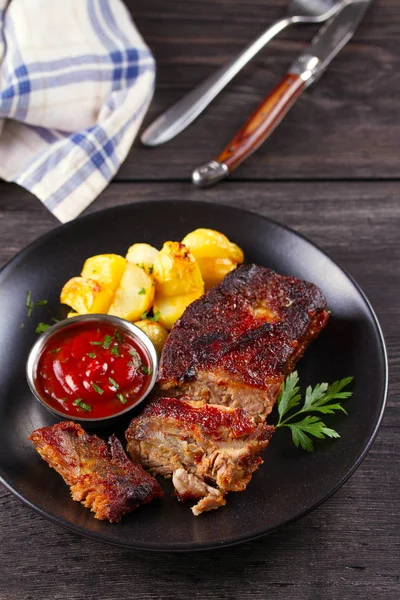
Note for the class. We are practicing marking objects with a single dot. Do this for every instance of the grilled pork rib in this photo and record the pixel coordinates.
(236, 344)
(208, 450)
(101, 477)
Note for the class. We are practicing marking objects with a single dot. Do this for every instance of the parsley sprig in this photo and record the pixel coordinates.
(320, 399)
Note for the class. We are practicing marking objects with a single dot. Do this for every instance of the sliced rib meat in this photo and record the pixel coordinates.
(236, 344)
(208, 450)
(101, 477)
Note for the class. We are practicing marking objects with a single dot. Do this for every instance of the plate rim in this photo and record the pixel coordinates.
(196, 547)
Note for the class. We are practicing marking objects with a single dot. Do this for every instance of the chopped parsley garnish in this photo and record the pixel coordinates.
(78, 402)
(151, 268)
(146, 370)
(55, 320)
(96, 343)
(113, 382)
(117, 336)
(28, 303)
(122, 399)
(107, 342)
(114, 350)
(142, 291)
(91, 354)
(41, 303)
(97, 388)
(56, 350)
(154, 318)
(42, 327)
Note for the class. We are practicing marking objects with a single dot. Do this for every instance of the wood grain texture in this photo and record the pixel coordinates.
(349, 547)
(345, 126)
(344, 129)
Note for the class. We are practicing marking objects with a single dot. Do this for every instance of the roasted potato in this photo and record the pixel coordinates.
(155, 331)
(86, 296)
(176, 271)
(214, 270)
(143, 255)
(170, 308)
(207, 243)
(106, 269)
(134, 295)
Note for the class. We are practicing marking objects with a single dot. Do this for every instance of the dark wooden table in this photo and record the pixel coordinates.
(332, 172)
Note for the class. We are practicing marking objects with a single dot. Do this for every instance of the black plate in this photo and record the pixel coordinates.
(291, 482)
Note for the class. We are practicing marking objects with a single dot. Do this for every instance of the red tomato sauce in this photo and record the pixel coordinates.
(92, 371)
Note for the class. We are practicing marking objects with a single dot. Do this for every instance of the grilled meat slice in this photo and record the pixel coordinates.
(101, 477)
(236, 344)
(209, 450)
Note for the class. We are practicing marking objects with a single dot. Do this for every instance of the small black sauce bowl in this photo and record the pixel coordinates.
(76, 322)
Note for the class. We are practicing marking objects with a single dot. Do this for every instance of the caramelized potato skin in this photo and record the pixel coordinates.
(134, 295)
(176, 271)
(86, 296)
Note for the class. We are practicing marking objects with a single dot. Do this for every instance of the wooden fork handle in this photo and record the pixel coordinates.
(254, 132)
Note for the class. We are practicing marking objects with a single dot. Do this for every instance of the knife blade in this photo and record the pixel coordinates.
(304, 71)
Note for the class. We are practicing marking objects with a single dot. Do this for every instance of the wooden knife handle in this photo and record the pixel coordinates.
(254, 132)
(263, 121)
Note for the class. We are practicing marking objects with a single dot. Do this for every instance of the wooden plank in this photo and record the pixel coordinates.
(348, 548)
(346, 126)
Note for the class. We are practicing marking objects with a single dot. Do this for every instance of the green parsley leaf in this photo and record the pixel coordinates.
(96, 343)
(122, 399)
(289, 396)
(155, 317)
(107, 341)
(151, 268)
(142, 291)
(313, 426)
(55, 320)
(317, 399)
(117, 336)
(42, 327)
(78, 402)
(113, 383)
(146, 370)
(28, 300)
(91, 354)
(114, 350)
(97, 388)
(144, 315)
(56, 350)
(41, 303)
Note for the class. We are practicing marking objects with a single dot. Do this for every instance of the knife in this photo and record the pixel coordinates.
(306, 69)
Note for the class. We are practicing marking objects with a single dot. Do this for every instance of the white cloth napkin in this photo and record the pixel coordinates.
(75, 81)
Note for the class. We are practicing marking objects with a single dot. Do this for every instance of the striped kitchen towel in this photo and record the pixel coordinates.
(76, 79)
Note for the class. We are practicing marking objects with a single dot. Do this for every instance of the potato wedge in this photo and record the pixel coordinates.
(213, 270)
(143, 255)
(170, 308)
(86, 296)
(155, 331)
(106, 269)
(208, 243)
(135, 294)
(176, 271)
